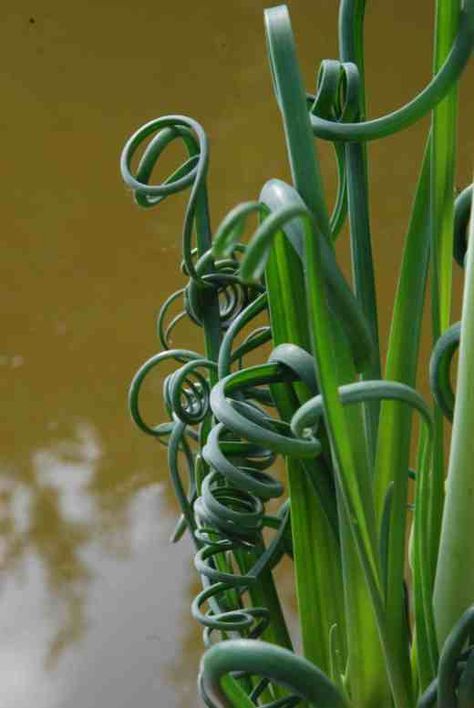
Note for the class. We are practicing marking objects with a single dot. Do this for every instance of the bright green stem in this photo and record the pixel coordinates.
(351, 39)
(290, 94)
(365, 670)
(426, 644)
(351, 43)
(366, 675)
(454, 586)
(372, 686)
(316, 554)
(209, 301)
(318, 572)
(404, 338)
(363, 271)
(443, 162)
(395, 420)
(264, 594)
(347, 451)
(236, 695)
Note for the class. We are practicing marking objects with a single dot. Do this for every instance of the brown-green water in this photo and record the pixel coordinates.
(94, 603)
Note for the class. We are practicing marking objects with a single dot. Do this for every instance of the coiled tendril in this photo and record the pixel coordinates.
(221, 428)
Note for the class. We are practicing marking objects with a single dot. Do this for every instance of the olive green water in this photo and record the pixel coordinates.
(94, 603)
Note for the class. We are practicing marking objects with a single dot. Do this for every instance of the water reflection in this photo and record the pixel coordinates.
(84, 582)
(61, 526)
(89, 579)
(129, 647)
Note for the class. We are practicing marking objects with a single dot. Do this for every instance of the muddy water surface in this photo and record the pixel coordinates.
(94, 602)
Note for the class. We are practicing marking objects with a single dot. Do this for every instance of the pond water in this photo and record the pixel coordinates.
(94, 601)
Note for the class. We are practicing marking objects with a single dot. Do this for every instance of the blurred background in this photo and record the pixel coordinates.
(94, 601)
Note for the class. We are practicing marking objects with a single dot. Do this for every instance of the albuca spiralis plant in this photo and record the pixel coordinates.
(375, 631)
